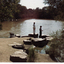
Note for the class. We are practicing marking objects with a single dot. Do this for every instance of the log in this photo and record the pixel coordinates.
(18, 56)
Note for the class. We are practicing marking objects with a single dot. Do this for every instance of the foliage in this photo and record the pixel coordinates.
(59, 5)
(10, 9)
(53, 3)
(31, 55)
(7, 9)
(56, 49)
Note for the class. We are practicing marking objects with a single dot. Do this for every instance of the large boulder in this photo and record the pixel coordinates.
(18, 56)
(39, 42)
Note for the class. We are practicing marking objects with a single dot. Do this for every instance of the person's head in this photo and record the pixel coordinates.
(40, 26)
(34, 22)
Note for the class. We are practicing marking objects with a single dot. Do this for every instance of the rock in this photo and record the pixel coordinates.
(33, 35)
(11, 44)
(17, 45)
(25, 36)
(17, 35)
(49, 38)
(27, 42)
(39, 42)
(19, 56)
(43, 36)
(12, 35)
(37, 39)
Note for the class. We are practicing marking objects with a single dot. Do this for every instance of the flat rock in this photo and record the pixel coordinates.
(43, 36)
(49, 38)
(17, 35)
(17, 45)
(37, 39)
(33, 35)
(18, 56)
(27, 41)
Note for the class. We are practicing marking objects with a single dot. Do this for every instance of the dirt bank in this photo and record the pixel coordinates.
(6, 50)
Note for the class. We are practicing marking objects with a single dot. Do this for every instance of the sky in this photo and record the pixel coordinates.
(33, 4)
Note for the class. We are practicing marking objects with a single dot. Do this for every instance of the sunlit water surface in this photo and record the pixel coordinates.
(24, 27)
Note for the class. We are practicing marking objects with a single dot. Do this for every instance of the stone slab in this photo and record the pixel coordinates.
(18, 56)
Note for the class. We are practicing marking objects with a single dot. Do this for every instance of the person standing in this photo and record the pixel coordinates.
(34, 28)
(40, 30)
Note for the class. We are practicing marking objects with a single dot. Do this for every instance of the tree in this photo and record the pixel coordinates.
(53, 3)
(8, 8)
(59, 6)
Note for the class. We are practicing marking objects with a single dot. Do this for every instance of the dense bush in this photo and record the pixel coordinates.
(56, 49)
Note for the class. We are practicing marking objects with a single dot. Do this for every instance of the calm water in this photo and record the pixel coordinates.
(24, 27)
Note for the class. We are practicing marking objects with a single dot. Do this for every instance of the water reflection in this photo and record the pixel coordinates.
(24, 27)
(41, 50)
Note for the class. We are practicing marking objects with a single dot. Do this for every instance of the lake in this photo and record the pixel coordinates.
(24, 27)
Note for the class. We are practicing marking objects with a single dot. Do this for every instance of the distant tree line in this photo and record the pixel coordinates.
(44, 13)
(11, 9)
(55, 10)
